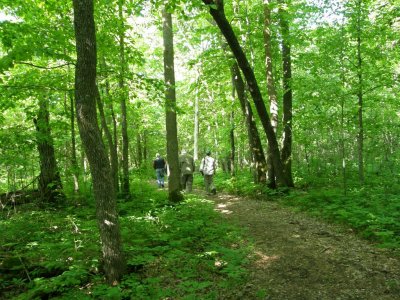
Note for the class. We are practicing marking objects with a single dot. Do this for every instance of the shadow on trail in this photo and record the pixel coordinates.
(299, 257)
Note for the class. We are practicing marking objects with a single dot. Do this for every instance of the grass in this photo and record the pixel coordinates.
(183, 251)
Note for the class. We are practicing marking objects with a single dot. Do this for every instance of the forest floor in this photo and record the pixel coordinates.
(300, 257)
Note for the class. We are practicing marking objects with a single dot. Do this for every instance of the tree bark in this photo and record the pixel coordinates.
(196, 126)
(360, 136)
(144, 145)
(74, 160)
(139, 149)
(85, 95)
(112, 148)
(170, 109)
(50, 186)
(124, 124)
(217, 12)
(232, 142)
(270, 86)
(342, 114)
(287, 96)
(252, 131)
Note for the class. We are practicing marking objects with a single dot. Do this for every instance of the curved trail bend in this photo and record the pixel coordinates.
(299, 257)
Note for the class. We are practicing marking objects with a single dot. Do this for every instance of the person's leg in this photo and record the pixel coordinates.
(189, 182)
(207, 182)
(162, 177)
(212, 186)
(183, 182)
(158, 174)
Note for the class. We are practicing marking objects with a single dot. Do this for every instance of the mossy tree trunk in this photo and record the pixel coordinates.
(287, 95)
(85, 95)
(50, 186)
(170, 108)
(252, 131)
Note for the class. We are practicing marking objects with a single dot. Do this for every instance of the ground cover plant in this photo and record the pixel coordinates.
(178, 251)
(372, 211)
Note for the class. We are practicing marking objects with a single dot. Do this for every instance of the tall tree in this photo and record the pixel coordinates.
(111, 146)
(124, 124)
(360, 92)
(170, 109)
(85, 95)
(74, 160)
(217, 11)
(252, 131)
(273, 99)
(287, 93)
(50, 185)
(196, 125)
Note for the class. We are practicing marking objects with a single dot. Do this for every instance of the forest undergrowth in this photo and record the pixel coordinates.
(182, 251)
(373, 211)
(192, 251)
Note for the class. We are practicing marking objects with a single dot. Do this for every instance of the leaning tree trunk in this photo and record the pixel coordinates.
(85, 95)
(270, 86)
(124, 123)
(111, 135)
(217, 12)
(170, 108)
(253, 135)
(112, 148)
(287, 97)
(50, 186)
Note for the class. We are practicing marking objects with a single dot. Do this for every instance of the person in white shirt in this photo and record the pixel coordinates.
(207, 169)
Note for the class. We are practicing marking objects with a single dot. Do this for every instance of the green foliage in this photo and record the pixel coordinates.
(179, 251)
(373, 212)
(243, 184)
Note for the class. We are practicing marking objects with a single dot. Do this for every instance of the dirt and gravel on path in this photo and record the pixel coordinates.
(300, 257)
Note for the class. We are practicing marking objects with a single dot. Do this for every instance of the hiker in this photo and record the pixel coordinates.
(159, 165)
(207, 169)
(186, 166)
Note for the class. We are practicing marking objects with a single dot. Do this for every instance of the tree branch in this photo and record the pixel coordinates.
(42, 67)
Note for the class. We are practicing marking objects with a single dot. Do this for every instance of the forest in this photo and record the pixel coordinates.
(296, 100)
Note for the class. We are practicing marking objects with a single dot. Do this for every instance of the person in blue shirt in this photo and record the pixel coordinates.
(159, 165)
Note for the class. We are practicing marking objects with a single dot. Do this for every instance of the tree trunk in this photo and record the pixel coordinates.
(342, 124)
(110, 135)
(232, 134)
(287, 97)
(232, 142)
(50, 185)
(254, 137)
(115, 138)
(360, 136)
(270, 87)
(196, 126)
(144, 145)
(217, 12)
(85, 95)
(139, 149)
(170, 108)
(124, 124)
(74, 160)
(112, 149)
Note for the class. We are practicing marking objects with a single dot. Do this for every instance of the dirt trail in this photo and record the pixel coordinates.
(299, 257)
